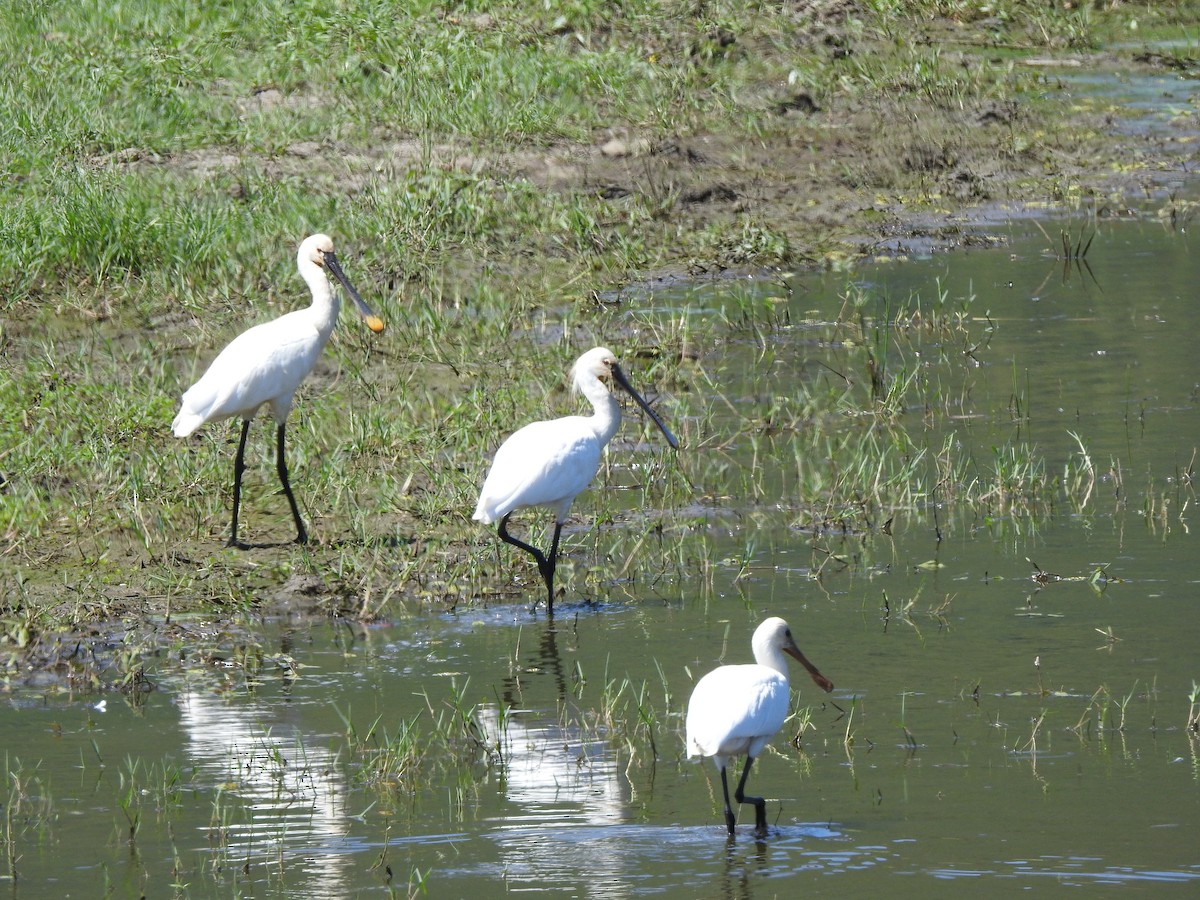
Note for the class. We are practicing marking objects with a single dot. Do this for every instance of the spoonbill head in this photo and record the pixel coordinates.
(266, 363)
(736, 710)
(549, 463)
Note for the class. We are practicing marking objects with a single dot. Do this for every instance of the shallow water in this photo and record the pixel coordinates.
(1150, 103)
(986, 733)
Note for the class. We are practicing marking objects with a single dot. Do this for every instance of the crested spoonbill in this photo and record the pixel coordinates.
(736, 710)
(549, 463)
(266, 363)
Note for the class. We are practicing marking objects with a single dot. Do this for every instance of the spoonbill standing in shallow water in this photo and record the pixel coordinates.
(550, 463)
(736, 710)
(267, 363)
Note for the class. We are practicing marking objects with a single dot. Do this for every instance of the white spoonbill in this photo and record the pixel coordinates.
(550, 463)
(736, 710)
(266, 364)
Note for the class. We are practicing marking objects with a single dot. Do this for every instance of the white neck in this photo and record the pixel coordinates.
(607, 416)
(767, 653)
(325, 303)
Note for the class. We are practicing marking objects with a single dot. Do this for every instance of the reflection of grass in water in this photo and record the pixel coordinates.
(29, 811)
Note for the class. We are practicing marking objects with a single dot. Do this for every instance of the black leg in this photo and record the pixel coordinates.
(730, 819)
(545, 566)
(239, 466)
(549, 576)
(760, 805)
(281, 468)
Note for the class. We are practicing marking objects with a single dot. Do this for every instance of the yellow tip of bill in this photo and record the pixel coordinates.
(374, 323)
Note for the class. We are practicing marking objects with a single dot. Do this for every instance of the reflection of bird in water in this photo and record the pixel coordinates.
(290, 788)
(266, 364)
(561, 780)
(549, 463)
(564, 792)
(736, 710)
(554, 772)
(545, 659)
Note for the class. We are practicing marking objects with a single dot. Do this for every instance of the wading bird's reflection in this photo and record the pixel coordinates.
(545, 660)
(563, 794)
(279, 795)
(562, 786)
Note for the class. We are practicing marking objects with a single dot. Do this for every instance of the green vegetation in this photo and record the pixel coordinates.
(496, 176)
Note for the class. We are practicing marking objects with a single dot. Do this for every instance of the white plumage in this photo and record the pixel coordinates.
(736, 710)
(266, 364)
(550, 463)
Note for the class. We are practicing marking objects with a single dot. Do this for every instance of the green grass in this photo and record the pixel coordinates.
(151, 148)
(161, 164)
